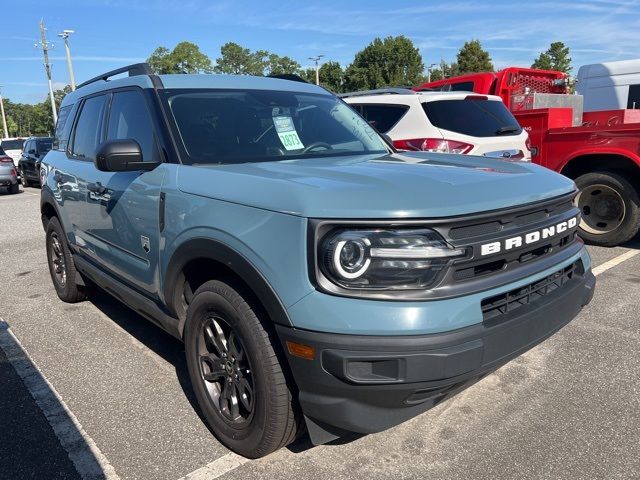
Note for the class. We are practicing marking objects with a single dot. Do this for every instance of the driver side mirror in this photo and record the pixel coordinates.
(121, 156)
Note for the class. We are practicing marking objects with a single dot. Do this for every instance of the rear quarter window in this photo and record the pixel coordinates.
(473, 117)
(381, 117)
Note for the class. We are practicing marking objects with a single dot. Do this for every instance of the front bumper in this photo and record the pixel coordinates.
(365, 384)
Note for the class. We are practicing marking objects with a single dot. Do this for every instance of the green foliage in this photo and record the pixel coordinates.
(236, 60)
(277, 65)
(555, 58)
(24, 120)
(394, 61)
(186, 57)
(331, 76)
(473, 58)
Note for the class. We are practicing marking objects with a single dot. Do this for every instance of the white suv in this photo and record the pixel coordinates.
(13, 148)
(450, 122)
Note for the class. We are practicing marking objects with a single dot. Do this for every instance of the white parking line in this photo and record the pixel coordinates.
(88, 460)
(615, 261)
(217, 468)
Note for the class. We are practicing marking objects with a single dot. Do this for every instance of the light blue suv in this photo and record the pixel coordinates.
(318, 277)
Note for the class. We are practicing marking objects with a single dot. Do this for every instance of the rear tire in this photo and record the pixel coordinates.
(61, 267)
(239, 380)
(23, 179)
(15, 188)
(610, 208)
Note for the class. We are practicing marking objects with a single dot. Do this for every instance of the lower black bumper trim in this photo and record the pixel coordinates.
(366, 384)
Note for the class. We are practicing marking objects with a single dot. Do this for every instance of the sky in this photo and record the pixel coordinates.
(112, 33)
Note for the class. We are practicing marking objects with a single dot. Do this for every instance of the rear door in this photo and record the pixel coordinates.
(25, 159)
(122, 208)
(477, 125)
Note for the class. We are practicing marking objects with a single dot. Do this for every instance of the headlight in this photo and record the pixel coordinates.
(384, 259)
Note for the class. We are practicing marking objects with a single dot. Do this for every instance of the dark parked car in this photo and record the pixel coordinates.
(35, 148)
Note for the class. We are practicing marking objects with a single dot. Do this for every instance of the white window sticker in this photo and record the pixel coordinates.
(287, 133)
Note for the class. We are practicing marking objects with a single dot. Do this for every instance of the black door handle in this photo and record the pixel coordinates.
(97, 188)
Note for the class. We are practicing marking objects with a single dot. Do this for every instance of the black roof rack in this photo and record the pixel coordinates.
(288, 76)
(132, 70)
(379, 91)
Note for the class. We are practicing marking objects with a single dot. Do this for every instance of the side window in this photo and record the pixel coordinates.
(383, 117)
(129, 119)
(28, 145)
(62, 134)
(634, 97)
(87, 135)
(462, 87)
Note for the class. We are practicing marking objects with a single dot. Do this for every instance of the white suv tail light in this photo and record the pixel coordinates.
(433, 145)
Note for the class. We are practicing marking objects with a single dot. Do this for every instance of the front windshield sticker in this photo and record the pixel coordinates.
(287, 133)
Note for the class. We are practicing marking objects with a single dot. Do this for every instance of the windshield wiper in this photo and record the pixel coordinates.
(507, 129)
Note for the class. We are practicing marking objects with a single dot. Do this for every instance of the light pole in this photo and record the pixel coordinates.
(4, 119)
(429, 68)
(316, 59)
(65, 36)
(45, 45)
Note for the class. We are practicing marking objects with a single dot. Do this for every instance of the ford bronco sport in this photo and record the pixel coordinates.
(318, 277)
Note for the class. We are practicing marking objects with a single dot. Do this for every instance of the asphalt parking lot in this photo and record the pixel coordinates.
(93, 390)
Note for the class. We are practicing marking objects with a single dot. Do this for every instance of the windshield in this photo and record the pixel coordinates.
(231, 126)
(45, 145)
(12, 144)
(472, 116)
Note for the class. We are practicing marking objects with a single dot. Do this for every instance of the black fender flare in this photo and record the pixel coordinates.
(215, 250)
(47, 198)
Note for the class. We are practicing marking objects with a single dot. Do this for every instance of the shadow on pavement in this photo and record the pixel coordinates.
(38, 437)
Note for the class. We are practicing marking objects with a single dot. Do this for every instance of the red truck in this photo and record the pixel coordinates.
(600, 151)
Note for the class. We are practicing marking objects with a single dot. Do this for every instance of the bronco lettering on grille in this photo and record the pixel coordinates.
(528, 238)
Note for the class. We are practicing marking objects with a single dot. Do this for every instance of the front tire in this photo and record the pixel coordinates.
(61, 266)
(610, 208)
(239, 380)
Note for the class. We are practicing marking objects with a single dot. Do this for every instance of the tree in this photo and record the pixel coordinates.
(473, 58)
(186, 57)
(555, 58)
(331, 76)
(277, 65)
(394, 61)
(237, 60)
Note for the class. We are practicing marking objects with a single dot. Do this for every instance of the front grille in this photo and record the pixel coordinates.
(471, 234)
(504, 303)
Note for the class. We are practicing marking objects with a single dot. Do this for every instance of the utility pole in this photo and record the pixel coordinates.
(316, 59)
(45, 45)
(4, 119)
(65, 36)
(429, 68)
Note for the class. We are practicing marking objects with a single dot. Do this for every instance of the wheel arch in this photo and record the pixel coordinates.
(603, 161)
(210, 259)
(48, 207)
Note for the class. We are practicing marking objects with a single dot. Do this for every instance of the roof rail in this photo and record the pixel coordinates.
(132, 70)
(288, 76)
(379, 91)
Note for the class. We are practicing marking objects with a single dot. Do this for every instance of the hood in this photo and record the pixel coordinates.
(407, 185)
